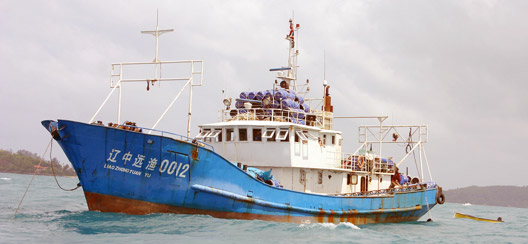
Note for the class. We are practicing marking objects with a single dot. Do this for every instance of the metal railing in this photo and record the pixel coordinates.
(407, 188)
(161, 133)
(366, 163)
(269, 114)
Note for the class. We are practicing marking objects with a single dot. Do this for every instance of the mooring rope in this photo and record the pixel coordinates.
(31, 181)
(50, 146)
(54, 176)
(425, 192)
(428, 209)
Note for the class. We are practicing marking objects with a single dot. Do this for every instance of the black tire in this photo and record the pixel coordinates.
(440, 199)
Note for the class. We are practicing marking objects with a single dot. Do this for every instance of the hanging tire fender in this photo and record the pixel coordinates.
(440, 197)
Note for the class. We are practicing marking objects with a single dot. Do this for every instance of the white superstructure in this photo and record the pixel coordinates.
(299, 145)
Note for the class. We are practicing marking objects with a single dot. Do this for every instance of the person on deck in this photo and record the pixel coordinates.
(395, 179)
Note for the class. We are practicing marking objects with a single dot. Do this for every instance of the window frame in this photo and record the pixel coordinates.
(214, 134)
(253, 134)
(246, 134)
(279, 138)
(309, 136)
(265, 136)
(230, 134)
(202, 135)
(301, 135)
(354, 178)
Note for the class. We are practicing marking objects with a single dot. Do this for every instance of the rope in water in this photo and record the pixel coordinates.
(50, 146)
(31, 181)
(54, 176)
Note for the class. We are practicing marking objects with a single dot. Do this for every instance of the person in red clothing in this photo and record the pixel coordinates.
(291, 35)
(395, 179)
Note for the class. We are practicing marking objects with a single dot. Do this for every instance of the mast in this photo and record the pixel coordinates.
(289, 73)
(156, 33)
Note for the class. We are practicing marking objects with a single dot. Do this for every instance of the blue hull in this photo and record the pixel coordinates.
(138, 173)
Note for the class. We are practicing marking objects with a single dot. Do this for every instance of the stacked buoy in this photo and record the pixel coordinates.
(282, 102)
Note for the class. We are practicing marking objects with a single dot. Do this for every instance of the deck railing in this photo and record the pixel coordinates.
(365, 163)
(162, 133)
(269, 114)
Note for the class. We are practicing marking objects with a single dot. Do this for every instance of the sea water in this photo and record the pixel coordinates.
(50, 215)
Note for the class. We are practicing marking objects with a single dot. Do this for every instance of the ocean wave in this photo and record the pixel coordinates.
(330, 226)
(5, 178)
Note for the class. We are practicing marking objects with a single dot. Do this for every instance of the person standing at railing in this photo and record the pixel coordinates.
(395, 179)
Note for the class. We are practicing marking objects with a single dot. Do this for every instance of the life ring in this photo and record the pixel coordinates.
(440, 199)
(361, 162)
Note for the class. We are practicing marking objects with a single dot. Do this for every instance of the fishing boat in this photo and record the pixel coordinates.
(467, 216)
(272, 155)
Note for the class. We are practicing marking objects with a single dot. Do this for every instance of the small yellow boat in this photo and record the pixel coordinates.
(465, 216)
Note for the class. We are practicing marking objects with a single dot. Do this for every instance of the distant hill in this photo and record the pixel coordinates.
(25, 162)
(505, 196)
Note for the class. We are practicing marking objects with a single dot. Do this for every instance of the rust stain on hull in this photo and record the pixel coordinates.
(107, 203)
(194, 154)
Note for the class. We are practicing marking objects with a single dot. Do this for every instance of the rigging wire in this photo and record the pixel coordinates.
(409, 147)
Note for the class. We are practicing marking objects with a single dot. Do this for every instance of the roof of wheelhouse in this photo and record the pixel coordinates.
(267, 124)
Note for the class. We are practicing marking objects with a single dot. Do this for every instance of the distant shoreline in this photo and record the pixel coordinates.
(26, 162)
(28, 173)
(503, 196)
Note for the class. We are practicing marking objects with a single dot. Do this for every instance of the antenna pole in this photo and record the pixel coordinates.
(156, 33)
(156, 57)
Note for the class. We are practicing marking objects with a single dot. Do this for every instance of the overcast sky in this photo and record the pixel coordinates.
(456, 66)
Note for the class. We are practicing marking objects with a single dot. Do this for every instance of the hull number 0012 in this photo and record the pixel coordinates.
(178, 169)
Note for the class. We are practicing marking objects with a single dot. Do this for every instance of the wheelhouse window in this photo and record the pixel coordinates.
(309, 136)
(269, 134)
(219, 137)
(283, 135)
(242, 134)
(214, 135)
(301, 135)
(296, 139)
(230, 134)
(324, 139)
(333, 140)
(203, 134)
(352, 179)
(257, 134)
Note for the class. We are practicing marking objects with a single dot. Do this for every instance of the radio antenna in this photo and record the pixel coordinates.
(324, 64)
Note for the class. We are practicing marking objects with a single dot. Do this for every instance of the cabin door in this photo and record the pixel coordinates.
(364, 183)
